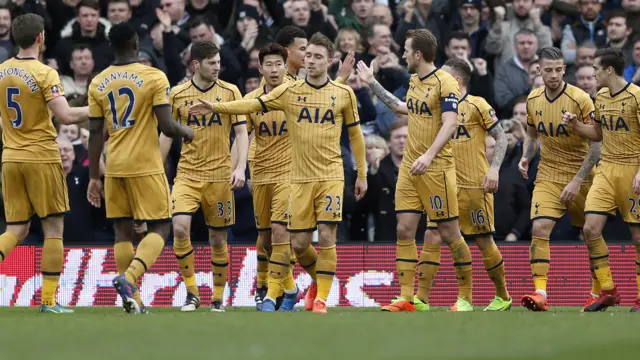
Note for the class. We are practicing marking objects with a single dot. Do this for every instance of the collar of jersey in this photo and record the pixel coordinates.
(202, 90)
(314, 86)
(125, 63)
(429, 74)
(557, 96)
(619, 92)
(462, 98)
(24, 58)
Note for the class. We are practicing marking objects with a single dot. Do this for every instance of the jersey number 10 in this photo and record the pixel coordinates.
(125, 122)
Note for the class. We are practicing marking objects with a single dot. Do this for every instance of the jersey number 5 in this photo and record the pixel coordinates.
(125, 122)
(12, 104)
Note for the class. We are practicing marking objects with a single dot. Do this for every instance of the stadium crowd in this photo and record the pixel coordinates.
(499, 39)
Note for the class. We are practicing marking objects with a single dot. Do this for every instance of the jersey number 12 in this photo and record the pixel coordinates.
(125, 122)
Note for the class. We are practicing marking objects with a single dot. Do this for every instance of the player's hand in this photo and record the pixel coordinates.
(511, 237)
(366, 72)
(187, 137)
(421, 165)
(346, 66)
(203, 107)
(361, 188)
(569, 119)
(523, 166)
(237, 179)
(636, 184)
(95, 193)
(490, 182)
(139, 227)
(569, 192)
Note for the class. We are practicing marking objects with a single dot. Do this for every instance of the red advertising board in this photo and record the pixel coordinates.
(365, 276)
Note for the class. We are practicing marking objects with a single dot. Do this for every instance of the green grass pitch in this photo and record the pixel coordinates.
(344, 333)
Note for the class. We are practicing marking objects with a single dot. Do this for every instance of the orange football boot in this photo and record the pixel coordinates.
(636, 306)
(592, 299)
(607, 298)
(310, 296)
(400, 305)
(319, 307)
(535, 302)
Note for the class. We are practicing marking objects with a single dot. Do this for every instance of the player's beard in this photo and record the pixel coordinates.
(411, 67)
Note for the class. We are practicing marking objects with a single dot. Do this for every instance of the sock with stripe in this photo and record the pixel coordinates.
(495, 268)
(51, 267)
(461, 255)
(427, 270)
(638, 268)
(406, 261)
(540, 259)
(308, 260)
(595, 284)
(288, 283)
(220, 269)
(183, 250)
(123, 255)
(8, 242)
(599, 262)
(278, 269)
(263, 264)
(146, 255)
(326, 270)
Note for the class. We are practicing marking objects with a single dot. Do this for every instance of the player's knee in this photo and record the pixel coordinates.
(635, 235)
(181, 229)
(53, 227)
(449, 231)
(591, 232)
(432, 236)
(162, 229)
(218, 238)
(21, 230)
(484, 242)
(299, 247)
(541, 228)
(279, 234)
(405, 230)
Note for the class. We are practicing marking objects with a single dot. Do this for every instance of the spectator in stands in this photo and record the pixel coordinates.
(512, 79)
(205, 8)
(309, 17)
(348, 40)
(584, 56)
(81, 65)
(619, 34)
(418, 14)
(391, 74)
(632, 71)
(632, 9)
(176, 9)
(6, 45)
(512, 200)
(366, 109)
(118, 11)
(382, 14)
(88, 28)
(590, 26)
(586, 80)
(143, 15)
(459, 47)
(252, 80)
(468, 21)
(502, 40)
(519, 113)
(352, 13)
(538, 82)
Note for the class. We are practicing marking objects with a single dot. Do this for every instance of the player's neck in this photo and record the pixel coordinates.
(425, 69)
(202, 84)
(268, 88)
(616, 84)
(318, 81)
(126, 58)
(551, 94)
(463, 91)
(32, 52)
(292, 69)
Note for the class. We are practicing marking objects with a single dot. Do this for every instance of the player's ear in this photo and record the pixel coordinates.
(260, 69)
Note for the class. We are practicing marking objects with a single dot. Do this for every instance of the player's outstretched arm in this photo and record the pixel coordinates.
(366, 74)
(242, 149)
(66, 114)
(490, 182)
(591, 132)
(237, 107)
(169, 127)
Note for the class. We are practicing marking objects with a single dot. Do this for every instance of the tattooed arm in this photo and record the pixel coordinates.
(529, 151)
(366, 75)
(501, 145)
(589, 161)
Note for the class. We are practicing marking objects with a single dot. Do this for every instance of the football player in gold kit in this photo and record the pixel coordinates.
(130, 96)
(205, 176)
(33, 182)
(318, 108)
(616, 185)
(566, 161)
(427, 177)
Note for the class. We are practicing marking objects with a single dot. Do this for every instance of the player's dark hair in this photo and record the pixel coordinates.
(288, 34)
(461, 68)
(617, 13)
(119, 2)
(550, 53)
(123, 38)
(424, 41)
(92, 4)
(320, 39)
(26, 28)
(459, 35)
(201, 50)
(611, 57)
(197, 21)
(272, 49)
